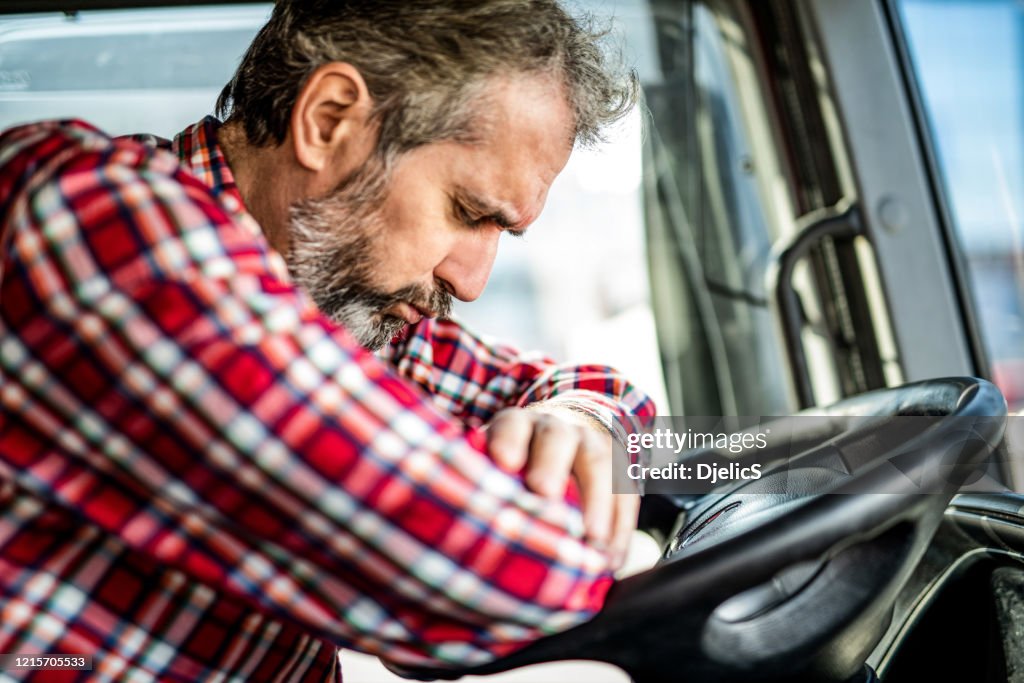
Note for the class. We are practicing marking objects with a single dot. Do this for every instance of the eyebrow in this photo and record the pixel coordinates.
(505, 217)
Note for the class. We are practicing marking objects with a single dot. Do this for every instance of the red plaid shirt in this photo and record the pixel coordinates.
(202, 476)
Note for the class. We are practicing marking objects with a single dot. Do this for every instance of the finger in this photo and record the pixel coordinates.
(508, 438)
(594, 476)
(552, 452)
(627, 511)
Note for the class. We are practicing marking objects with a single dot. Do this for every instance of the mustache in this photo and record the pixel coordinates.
(432, 302)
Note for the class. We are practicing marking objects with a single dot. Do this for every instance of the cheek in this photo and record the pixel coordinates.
(411, 248)
(415, 223)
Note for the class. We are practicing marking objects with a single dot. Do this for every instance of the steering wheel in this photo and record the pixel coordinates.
(798, 581)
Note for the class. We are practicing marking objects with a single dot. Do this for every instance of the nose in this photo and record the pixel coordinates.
(468, 263)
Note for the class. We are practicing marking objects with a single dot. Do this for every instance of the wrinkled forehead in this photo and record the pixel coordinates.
(526, 130)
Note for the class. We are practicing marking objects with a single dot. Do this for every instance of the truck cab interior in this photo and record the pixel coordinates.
(817, 211)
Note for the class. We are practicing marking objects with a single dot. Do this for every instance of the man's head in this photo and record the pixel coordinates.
(388, 144)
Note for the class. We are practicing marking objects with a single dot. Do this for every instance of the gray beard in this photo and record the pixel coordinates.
(331, 257)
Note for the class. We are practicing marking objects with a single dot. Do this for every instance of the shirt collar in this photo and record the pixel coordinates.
(198, 149)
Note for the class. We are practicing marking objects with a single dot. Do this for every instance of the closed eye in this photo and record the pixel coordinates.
(498, 220)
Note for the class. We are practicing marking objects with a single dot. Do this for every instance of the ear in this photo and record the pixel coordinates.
(330, 123)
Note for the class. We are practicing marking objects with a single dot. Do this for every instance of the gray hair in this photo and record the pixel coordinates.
(425, 64)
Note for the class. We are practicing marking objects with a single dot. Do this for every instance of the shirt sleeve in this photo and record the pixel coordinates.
(473, 378)
(206, 414)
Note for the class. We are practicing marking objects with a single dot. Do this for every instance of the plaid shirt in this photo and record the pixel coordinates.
(201, 477)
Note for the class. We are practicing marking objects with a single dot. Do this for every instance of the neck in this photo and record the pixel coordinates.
(261, 182)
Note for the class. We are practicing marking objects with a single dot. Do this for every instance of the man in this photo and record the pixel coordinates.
(204, 471)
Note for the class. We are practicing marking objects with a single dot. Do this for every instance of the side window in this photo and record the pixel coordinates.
(968, 58)
(141, 71)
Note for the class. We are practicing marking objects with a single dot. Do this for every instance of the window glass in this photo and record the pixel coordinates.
(117, 61)
(969, 61)
(153, 71)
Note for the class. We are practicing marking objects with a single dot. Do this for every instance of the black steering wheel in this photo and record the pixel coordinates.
(798, 581)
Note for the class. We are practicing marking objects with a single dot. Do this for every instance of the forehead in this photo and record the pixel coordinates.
(523, 137)
(525, 134)
(527, 106)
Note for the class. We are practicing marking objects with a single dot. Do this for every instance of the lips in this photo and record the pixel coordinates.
(410, 313)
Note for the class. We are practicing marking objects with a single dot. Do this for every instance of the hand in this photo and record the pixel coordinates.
(552, 442)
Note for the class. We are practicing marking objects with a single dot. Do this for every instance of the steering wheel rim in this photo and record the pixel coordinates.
(698, 614)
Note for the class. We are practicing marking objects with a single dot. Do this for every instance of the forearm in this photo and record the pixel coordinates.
(474, 379)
